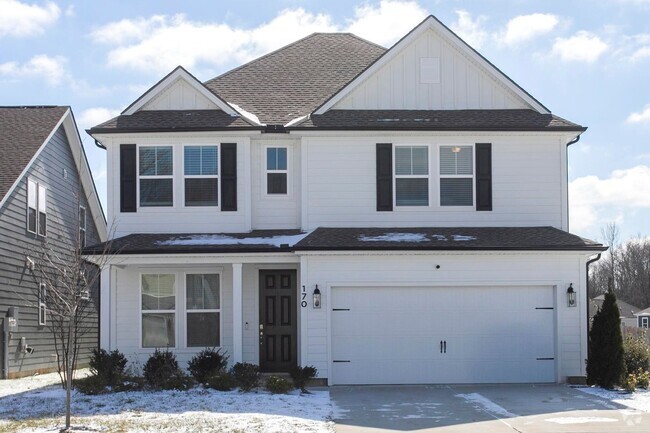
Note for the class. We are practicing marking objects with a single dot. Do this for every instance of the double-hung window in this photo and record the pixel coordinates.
(36, 208)
(276, 170)
(456, 176)
(412, 176)
(156, 176)
(158, 310)
(201, 171)
(82, 226)
(42, 304)
(644, 322)
(203, 310)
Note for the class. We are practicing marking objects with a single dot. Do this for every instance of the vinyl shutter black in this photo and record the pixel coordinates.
(384, 177)
(483, 176)
(228, 176)
(128, 178)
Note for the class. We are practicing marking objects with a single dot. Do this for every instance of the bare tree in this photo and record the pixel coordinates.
(611, 236)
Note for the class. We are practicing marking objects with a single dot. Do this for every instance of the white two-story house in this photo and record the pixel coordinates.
(387, 216)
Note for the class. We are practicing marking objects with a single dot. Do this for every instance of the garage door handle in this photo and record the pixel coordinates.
(440, 346)
(445, 346)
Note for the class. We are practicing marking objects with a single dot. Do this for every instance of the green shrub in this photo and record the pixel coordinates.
(91, 385)
(206, 363)
(606, 365)
(637, 353)
(222, 381)
(247, 375)
(162, 372)
(643, 379)
(278, 385)
(630, 383)
(108, 367)
(302, 375)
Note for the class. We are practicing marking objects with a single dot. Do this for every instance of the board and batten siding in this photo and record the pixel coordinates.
(461, 84)
(17, 287)
(456, 270)
(180, 95)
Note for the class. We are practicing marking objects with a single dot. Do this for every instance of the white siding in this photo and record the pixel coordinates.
(463, 84)
(180, 95)
(456, 270)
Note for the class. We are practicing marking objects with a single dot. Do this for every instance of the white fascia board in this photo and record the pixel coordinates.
(444, 253)
(432, 23)
(248, 115)
(171, 78)
(197, 259)
(296, 121)
(124, 137)
(369, 133)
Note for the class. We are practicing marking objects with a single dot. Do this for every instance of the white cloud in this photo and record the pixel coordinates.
(94, 116)
(21, 19)
(525, 27)
(642, 116)
(50, 69)
(595, 201)
(161, 42)
(470, 30)
(581, 47)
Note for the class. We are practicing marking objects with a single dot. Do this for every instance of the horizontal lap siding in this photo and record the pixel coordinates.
(19, 288)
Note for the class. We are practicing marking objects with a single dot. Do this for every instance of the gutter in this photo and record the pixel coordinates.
(99, 144)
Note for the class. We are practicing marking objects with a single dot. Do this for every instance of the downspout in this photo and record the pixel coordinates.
(589, 262)
(574, 141)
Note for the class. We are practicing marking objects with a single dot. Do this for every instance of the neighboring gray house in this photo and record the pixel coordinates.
(47, 197)
(628, 312)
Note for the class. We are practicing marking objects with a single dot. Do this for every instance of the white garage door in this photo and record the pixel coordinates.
(442, 335)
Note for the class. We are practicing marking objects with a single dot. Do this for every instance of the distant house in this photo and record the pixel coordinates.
(643, 318)
(628, 312)
(47, 201)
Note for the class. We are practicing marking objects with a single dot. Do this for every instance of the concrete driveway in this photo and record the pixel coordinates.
(480, 409)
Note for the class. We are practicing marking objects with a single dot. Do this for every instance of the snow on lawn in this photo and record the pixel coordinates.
(37, 405)
(639, 399)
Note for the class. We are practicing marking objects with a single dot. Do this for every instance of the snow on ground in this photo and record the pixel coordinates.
(485, 404)
(36, 405)
(580, 419)
(276, 241)
(639, 400)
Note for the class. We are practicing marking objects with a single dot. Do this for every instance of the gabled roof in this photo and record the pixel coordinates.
(294, 80)
(626, 310)
(24, 133)
(645, 312)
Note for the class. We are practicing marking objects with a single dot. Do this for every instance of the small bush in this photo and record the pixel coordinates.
(643, 379)
(207, 363)
(278, 385)
(606, 364)
(162, 372)
(630, 383)
(247, 375)
(108, 367)
(222, 381)
(302, 375)
(91, 385)
(636, 353)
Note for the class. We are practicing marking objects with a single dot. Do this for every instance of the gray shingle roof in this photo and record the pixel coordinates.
(294, 80)
(23, 131)
(438, 120)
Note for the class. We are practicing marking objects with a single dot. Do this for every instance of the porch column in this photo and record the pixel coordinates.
(237, 314)
(105, 308)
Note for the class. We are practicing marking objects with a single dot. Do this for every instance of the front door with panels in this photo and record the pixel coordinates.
(278, 328)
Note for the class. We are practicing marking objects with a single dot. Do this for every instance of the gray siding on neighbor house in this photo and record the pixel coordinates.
(17, 286)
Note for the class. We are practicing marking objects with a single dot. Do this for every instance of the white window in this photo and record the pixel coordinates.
(36, 208)
(276, 170)
(42, 304)
(456, 176)
(201, 171)
(203, 310)
(156, 176)
(82, 226)
(411, 175)
(644, 322)
(158, 310)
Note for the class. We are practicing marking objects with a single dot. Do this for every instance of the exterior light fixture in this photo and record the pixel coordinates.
(571, 296)
(317, 298)
(455, 149)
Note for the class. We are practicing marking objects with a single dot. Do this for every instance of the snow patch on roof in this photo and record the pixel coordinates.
(276, 241)
(395, 237)
(463, 238)
(250, 116)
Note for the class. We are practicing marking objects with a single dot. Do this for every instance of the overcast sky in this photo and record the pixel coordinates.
(588, 61)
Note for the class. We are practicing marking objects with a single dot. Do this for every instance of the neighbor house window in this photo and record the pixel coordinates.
(411, 176)
(203, 306)
(42, 304)
(82, 226)
(156, 176)
(276, 170)
(644, 322)
(36, 208)
(201, 170)
(158, 310)
(456, 176)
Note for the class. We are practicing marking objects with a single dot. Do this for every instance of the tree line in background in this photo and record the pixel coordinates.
(626, 265)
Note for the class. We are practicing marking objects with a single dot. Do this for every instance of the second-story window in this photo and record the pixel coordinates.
(36, 208)
(156, 176)
(82, 226)
(276, 170)
(412, 176)
(201, 171)
(456, 176)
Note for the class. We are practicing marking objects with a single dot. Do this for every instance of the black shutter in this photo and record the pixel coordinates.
(483, 176)
(384, 177)
(228, 176)
(128, 178)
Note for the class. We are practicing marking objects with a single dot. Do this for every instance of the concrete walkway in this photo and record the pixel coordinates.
(480, 409)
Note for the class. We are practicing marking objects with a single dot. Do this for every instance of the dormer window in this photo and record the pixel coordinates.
(156, 176)
(201, 171)
(276, 170)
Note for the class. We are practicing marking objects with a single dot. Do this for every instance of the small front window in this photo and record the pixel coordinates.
(456, 176)
(276, 170)
(412, 176)
(158, 310)
(42, 304)
(203, 305)
(36, 208)
(201, 170)
(82, 226)
(156, 176)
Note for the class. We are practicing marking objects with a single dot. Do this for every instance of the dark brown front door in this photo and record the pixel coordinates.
(278, 320)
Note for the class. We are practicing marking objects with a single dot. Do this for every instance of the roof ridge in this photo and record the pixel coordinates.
(33, 106)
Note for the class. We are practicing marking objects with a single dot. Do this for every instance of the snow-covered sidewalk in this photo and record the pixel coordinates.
(639, 400)
(36, 404)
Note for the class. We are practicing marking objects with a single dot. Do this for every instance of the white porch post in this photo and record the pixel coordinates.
(105, 308)
(237, 314)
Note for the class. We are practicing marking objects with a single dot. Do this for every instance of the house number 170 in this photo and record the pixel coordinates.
(303, 297)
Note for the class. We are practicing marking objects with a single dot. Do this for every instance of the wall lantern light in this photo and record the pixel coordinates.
(571, 296)
(316, 298)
